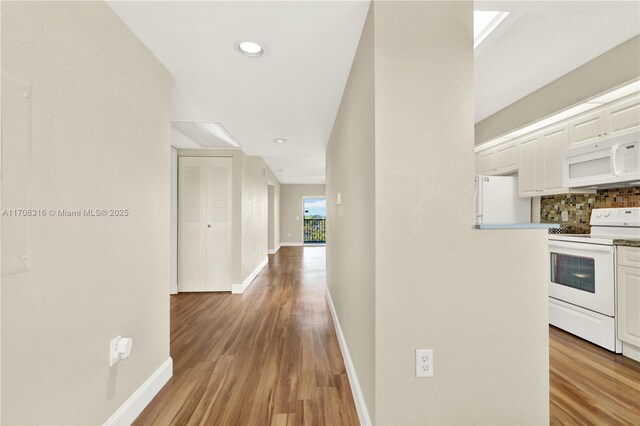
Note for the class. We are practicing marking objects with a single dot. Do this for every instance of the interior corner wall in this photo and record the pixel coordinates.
(173, 283)
(611, 69)
(477, 298)
(100, 138)
(350, 226)
(270, 209)
(274, 211)
(291, 209)
(254, 214)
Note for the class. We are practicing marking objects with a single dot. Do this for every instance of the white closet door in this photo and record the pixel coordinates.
(192, 223)
(219, 210)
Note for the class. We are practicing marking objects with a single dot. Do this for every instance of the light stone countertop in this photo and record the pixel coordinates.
(627, 242)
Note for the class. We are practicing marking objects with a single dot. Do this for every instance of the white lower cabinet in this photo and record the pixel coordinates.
(629, 301)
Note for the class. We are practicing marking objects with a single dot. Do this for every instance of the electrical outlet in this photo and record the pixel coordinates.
(424, 362)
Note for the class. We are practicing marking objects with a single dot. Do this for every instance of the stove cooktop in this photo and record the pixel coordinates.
(607, 225)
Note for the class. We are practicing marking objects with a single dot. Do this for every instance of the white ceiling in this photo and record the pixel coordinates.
(293, 91)
(542, 41)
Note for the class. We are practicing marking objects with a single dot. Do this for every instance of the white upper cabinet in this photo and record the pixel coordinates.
(540, 167)
(506, 160)
(554, 141)
(610, 119)
(485, 162)
(501, 160)
(587, 127)
(531, 167)
(537, 157)
(623, 115)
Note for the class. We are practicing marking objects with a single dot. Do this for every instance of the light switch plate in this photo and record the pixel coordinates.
(112, 350)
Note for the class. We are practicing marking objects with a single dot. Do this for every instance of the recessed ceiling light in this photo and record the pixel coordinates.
(249, 48)
(280, 141)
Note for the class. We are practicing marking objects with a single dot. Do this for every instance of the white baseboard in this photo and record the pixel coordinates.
(290, 244)
(361, 406)
(133, 406)
(240, 288)
(631, 351)
(274, 251)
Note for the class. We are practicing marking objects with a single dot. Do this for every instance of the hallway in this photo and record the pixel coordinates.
(268, 356)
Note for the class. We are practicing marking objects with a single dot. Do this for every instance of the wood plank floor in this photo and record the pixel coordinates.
(590, 385)
(271, 357)
(267, 357)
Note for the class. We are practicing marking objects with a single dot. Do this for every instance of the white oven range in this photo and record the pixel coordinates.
(582, 278)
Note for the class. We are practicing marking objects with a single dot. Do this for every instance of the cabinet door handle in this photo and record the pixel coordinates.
(208, 226)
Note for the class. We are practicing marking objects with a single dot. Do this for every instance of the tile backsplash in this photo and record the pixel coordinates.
(579, 206)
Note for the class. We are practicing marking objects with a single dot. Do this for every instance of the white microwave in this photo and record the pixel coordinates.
(614, 161)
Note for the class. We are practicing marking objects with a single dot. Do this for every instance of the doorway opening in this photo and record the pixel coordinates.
(314, 225)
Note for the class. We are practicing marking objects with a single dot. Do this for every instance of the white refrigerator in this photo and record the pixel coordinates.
(497, 201)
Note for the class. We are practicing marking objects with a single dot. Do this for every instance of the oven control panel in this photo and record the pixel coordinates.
(616, 217)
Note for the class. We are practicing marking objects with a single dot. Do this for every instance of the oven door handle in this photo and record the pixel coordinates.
(581, 246)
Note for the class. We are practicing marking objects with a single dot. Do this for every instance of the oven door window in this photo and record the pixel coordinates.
(573, 271)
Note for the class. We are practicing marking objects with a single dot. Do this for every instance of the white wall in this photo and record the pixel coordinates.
(425, 279)
(291, 218)
(477, 298)
(351, 226)
(173, 283)
(254, 214)
(100, 139)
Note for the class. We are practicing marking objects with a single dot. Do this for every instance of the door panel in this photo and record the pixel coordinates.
(506, 158)
(554, 142)
(191, 217)
(485, 163)
(623, 116)
(587, 128)
(527, 183)
(219, 210)
(629, 305)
